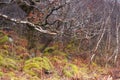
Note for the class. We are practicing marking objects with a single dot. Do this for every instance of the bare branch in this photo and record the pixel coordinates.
(36, 27)
(49, 14)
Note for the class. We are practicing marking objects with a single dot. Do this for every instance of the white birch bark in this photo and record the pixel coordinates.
(36, 27)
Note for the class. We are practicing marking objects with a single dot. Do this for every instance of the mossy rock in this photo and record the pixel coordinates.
(3, 38)
(70, 70)
(38, 63)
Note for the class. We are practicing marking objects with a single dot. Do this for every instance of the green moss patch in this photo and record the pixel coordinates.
(3, 38)
(70, 70)
(37, 63)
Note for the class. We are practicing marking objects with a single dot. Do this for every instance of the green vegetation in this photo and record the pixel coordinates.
(70, 70)
(16, 63)
(3, 38)
(1, 74)
(37, 63)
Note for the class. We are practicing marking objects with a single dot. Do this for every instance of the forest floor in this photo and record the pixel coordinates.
(16, 63)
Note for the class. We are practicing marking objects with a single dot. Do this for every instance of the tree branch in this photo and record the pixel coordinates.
(49, 14)
(36, 27)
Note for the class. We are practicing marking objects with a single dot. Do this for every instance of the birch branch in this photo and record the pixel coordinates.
(36, 27)
(117, 41)
(104, 23)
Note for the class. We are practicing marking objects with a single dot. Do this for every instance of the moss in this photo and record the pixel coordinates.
(40, 46)
(56, 59)
(84, 72)
(55, 53)
(11, 63)
(60, 53)
(36, 59)
(3, 38)
(1, 58)
(47, 64)
(59, 59)
(71, 46)
(28, 68)
(1, 33)
(37, 63)
(70, 70)
(49, 49)
(4, 52)
(35, 78)
(1, 74)
(5, 47)
(15, 78)
(11, 74)
(21, 48)
(8, 62)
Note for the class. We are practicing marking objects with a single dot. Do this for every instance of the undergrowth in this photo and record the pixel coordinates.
(16, 63)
